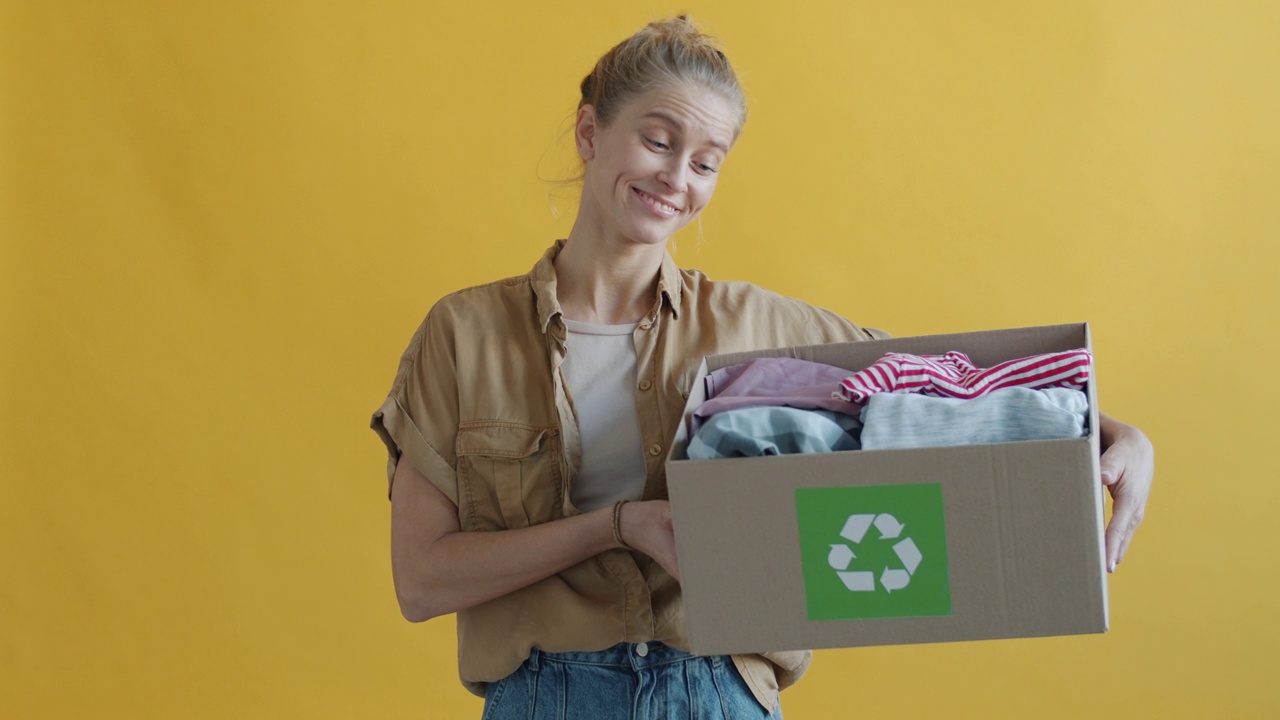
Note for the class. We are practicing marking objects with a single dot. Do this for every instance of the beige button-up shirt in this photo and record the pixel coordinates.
(479, 406)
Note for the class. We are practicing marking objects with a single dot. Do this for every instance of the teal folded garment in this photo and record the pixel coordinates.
(770, 430)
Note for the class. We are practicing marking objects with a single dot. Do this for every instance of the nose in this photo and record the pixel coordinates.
(675, 175)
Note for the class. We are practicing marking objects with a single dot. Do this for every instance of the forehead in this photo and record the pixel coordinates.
(701, 115)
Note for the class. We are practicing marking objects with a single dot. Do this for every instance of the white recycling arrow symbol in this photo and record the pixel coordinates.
(855, 529)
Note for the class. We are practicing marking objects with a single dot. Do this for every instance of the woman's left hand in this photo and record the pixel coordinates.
(646, 527)
(1128, 467)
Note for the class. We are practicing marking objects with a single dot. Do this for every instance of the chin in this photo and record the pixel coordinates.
(652, 235)
(650, 240)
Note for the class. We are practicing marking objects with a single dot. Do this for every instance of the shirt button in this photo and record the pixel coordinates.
(645, 384)
(655, 449)
(642, 649)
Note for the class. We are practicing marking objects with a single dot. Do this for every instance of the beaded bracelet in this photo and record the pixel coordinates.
(617, 529)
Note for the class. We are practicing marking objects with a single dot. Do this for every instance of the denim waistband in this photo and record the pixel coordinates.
(634, 656)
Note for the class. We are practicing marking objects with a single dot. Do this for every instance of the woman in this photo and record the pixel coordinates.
(538, 409)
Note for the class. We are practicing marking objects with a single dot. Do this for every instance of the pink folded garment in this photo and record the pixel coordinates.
(772, 381)
(954, 375)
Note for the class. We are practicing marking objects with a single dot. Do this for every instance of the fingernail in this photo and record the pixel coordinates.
(1112, 567)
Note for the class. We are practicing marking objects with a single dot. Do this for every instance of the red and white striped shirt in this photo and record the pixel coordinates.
(954, 375)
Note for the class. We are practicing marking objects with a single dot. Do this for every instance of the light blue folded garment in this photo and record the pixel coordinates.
(911, 420)
(773, 430)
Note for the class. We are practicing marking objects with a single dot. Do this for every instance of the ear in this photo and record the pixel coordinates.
(584, 132)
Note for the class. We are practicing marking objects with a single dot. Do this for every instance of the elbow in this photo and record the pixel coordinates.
(416, 594)
(418, 607)
(415, 615)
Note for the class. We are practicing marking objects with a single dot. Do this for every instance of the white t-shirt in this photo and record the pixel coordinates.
(600, 371)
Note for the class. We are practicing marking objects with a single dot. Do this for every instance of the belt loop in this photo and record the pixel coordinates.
(716, 660)
(534, 654)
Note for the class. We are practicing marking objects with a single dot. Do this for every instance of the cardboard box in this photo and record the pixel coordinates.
(1005, 540)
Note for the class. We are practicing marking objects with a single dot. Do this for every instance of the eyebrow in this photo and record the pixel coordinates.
(671, 120)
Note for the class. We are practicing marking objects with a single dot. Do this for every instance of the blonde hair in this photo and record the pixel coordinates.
(664, 52)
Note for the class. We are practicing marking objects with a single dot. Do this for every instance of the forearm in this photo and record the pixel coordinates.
(463, 569)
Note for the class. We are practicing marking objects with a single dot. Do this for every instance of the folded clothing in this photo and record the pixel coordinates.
(912, 420)
(776, 381)
(954, 375)
(769, 430)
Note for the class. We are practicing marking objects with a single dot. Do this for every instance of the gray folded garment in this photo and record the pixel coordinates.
(912, 420)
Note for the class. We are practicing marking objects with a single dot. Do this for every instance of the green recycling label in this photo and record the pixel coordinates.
(874, 551)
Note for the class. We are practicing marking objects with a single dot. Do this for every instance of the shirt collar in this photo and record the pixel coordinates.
(543, 277)
(670, 287)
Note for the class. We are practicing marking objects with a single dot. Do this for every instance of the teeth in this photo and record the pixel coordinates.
(661, 205)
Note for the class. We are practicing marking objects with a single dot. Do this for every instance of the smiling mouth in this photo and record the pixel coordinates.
(658, 205)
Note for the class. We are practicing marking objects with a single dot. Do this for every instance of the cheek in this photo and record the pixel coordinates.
(705, 190)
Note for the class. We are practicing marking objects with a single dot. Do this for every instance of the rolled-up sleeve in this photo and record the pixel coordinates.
(419, 418)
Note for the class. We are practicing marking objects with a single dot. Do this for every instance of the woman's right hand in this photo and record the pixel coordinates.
(646, 527)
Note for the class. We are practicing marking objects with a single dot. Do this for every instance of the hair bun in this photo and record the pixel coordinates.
(664, 51)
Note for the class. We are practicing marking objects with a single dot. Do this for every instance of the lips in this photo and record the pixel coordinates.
(656, 204)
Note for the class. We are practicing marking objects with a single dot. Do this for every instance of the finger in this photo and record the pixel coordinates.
(675, 559)
(1115, 538)
(1126, 515)
(1109, 469)
(1118, 530)
(1110, 466)
(1109, 476)
(1134, 522)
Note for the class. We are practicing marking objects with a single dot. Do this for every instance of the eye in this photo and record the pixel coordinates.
(704, 168)
(657, 145)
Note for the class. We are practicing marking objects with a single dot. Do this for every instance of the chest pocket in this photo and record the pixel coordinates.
(509, 475)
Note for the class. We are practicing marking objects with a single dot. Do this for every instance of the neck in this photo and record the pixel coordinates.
(606, 283)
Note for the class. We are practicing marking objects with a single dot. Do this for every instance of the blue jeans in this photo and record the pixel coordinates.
(642, 681)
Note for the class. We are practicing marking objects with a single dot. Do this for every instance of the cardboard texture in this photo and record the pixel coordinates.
(979, 542)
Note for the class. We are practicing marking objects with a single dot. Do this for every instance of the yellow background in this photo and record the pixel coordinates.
(221, 222)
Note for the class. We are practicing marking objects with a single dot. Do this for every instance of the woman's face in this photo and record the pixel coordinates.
(654, 167)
